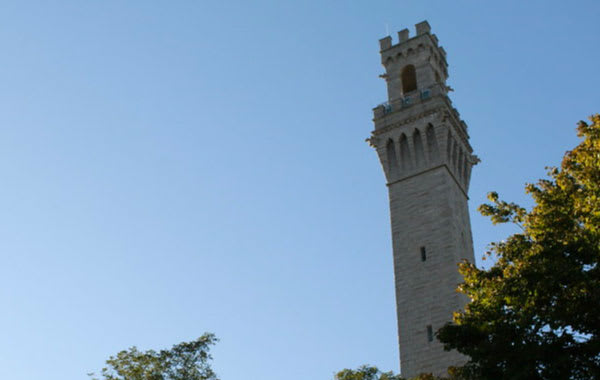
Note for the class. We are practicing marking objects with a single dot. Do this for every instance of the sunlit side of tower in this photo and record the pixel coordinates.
(424, 149)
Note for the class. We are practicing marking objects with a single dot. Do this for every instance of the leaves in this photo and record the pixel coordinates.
(533, 314)
(184, 361)
(367, 372)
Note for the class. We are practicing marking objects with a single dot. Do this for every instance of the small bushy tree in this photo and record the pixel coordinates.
(367, 372)
(184, 361)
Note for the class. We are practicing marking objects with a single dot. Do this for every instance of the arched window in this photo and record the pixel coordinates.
(409, 79)
(455, 155)
(467, 174)
(404, 153)
(391, 156)
(449, 141)
(432, 145)
(418, 144)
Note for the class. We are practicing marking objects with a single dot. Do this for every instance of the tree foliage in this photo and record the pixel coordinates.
(534, 313)
(367, 372)
(184, 361)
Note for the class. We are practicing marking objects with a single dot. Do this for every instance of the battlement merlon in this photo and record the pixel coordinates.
(422, 28)
(423, 32)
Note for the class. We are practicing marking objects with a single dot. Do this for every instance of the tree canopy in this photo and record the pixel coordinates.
(184, 361)
(367, 372)
(534, 313)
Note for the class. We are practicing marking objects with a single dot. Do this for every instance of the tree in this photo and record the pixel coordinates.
(367, 372)
(534, 313)
(184, 361)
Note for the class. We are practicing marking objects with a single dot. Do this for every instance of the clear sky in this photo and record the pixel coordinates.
(175, 167)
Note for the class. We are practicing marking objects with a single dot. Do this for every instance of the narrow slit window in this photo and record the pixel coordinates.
(429, 333)
(423, 254)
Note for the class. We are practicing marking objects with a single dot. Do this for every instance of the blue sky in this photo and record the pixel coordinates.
(171, 168)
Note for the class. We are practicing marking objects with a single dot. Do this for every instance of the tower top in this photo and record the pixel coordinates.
(419, 51)
(415, 74)
(416, 71)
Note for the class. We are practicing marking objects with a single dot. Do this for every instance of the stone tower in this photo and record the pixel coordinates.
(424, 149)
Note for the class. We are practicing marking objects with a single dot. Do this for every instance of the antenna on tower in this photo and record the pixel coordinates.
(387, 29)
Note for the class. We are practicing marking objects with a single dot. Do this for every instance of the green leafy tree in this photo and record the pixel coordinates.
(535, 313)
(367, 372)
(184, 361)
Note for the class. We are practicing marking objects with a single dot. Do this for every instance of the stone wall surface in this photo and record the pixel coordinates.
(427, 211)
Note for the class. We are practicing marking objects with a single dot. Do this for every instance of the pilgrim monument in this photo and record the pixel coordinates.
(423, 146)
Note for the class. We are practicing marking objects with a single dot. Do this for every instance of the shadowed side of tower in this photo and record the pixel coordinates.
(424, 149)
